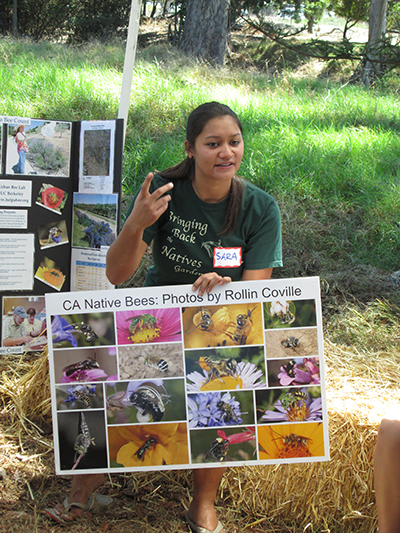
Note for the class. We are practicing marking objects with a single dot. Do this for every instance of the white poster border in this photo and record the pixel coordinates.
(279, 291)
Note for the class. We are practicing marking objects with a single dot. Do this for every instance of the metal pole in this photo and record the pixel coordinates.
(129, 63)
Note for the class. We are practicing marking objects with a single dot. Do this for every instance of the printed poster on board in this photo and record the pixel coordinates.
(160, 378)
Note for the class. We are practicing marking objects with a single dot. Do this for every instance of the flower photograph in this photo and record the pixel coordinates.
(289, 405)
(228, 325)
(86, 329)
(148, 445)
(79, 396)
(223, 446)
(53, 234)
(52, 198)
(148, 325)
(299, 371)
(225, 368)
(210, 409)
(50, 274)
(146, 401)
(289, 314)
(291, 441)
(94, 222)
(85, 365)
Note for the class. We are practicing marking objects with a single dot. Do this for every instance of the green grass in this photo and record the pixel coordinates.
(328, 152)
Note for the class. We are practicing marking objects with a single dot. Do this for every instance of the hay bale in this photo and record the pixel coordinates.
(336, 495)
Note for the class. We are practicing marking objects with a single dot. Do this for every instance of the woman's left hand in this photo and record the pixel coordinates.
(206, 282)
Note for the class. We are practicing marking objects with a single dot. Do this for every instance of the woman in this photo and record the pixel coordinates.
(188, 211)
(22, 148)
(387, 473)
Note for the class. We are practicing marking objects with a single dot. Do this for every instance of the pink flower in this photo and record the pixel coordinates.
(236, 438)
(151, 325)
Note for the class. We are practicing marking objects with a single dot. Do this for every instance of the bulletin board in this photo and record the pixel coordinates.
(160, 378)
(60, 190)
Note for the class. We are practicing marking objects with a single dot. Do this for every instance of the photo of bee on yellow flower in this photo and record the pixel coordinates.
(228, 325)
(291, 441)
(225, 368)
(148, 445)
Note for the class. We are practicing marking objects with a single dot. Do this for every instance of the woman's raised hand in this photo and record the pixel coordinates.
(148, 207)
(206, 282)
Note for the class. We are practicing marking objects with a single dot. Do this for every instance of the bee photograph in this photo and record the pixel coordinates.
(148, 445)
(85, 365)
(289, 314)
(142, 402)
(211, 409)
(148, 325)
(291, 441)
(79, 396)
(79, 330)
(223, 446)
(228, 325)
(299, 342)
(289, 405)
(225, 368)
(82, 440)
(146, 361)
(295, 372)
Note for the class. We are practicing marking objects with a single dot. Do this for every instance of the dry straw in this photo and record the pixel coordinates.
(332, 496)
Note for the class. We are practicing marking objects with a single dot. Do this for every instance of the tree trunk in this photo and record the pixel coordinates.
(377, 30)
(15, 19)
(205, 31)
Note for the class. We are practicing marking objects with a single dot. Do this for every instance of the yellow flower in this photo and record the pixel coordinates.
(291, 440)
(149, 445)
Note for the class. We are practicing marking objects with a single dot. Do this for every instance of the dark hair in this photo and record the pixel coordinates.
(31, 311)
(197, 120)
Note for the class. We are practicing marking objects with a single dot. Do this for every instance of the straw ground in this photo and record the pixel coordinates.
(332, 497)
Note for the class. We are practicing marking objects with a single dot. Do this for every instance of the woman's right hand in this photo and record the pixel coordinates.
(148, 207)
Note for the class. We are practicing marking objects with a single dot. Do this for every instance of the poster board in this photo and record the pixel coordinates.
(160, 378)
(49, 242)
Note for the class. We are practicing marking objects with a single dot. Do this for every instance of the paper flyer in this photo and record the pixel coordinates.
(159, 378)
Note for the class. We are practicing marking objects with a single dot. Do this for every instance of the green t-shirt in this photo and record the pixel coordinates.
(187, 240)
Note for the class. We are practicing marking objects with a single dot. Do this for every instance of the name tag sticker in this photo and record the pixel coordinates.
(227, 257)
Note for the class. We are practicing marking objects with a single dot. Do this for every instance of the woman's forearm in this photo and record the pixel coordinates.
(124, 255)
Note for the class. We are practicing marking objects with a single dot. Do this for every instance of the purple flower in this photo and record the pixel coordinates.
(213, 409)
(294, 408)
(62, 331)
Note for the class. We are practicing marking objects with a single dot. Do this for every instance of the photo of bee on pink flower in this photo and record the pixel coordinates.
(79, 330)
(211, 409)
(289, 314)
(79, 396)
(86, 365)
(148, 445)
(289, 405)
(223, 446)
(229, 325)
(142, 402)
(152, 325)
(299, 371)
(225, 369)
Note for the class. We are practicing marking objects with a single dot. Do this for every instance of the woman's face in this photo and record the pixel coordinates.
(218, 150)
